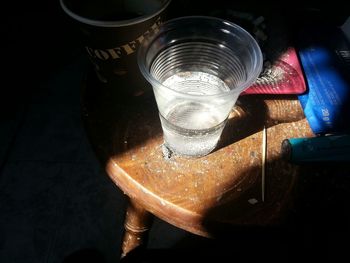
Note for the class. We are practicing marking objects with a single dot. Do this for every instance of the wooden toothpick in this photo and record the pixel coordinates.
(263, 161)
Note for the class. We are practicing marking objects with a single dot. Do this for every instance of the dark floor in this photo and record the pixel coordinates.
(56, 202)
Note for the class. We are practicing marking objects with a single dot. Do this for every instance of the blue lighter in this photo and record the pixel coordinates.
(332, 148)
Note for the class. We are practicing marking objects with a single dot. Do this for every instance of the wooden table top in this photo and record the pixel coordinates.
(201, 195)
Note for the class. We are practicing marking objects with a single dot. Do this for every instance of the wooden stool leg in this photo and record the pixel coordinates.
(136, 224)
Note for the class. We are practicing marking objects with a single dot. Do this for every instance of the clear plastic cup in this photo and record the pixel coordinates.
(198, 66)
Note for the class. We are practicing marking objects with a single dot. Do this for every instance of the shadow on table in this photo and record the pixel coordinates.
(314, 226)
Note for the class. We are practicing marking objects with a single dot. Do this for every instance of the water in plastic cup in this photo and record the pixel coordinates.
(198, 66)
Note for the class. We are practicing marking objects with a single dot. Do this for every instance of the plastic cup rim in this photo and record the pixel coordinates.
(154, 82)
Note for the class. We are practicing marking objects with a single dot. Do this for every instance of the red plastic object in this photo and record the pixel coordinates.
(285, 76)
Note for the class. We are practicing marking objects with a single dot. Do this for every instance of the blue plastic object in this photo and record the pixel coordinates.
(325, 59)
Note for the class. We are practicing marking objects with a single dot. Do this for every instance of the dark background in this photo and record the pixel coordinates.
(56, 203)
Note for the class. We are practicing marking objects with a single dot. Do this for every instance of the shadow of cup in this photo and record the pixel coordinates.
(111, 32)
(251, 113)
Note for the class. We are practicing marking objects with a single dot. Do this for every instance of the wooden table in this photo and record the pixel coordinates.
(201, 195)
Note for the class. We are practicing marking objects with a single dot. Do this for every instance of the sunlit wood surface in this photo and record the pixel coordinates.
(201, 195)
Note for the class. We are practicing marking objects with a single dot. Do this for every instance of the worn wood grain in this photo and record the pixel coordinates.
(200, 195)
(137, 223)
